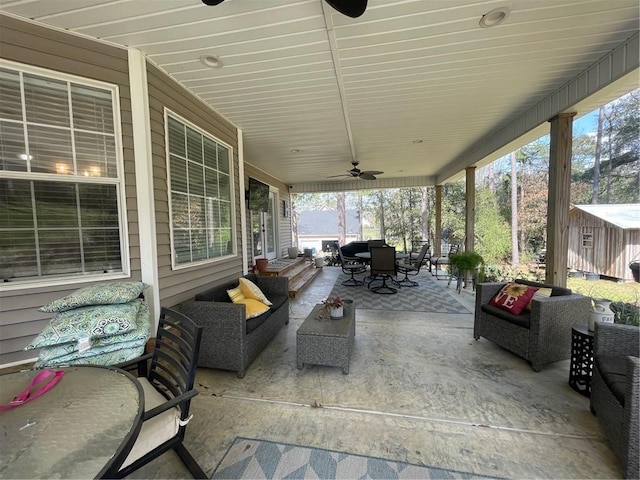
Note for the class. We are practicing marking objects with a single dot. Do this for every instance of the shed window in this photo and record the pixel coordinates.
(61, 178)
(587, 240)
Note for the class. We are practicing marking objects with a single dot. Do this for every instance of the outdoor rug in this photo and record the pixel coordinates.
(429, 296)
(262, 459)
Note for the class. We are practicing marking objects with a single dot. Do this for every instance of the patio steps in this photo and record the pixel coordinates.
(299, 271)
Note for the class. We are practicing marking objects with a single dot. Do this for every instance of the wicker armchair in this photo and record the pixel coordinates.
(541, 336)
(615, 390)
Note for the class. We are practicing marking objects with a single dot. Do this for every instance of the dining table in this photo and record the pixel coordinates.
(83, 427)
(366, 256)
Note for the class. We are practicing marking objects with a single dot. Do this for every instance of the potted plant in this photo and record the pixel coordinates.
(464, 263)
(335, 307)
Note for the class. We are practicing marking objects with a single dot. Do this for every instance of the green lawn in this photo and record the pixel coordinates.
(611, 290)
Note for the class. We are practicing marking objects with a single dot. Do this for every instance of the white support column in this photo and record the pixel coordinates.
(243, 206)
(144, 182)
(559, 201)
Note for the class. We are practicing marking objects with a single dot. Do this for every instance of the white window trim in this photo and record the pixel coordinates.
(168, 112)
(119, 182)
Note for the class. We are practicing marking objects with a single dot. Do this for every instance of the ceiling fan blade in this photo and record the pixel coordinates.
(372, 172)
(212, 2)
(367, 176)
(350, 8)
(335, 176)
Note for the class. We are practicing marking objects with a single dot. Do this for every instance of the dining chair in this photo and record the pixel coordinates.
(442, 260)
(413, 268)
(383, 267)
(167, 376)
(352, 268)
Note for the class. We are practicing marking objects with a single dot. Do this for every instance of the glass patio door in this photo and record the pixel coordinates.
(263, 229)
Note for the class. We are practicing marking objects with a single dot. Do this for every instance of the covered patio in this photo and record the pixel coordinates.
(420, 389)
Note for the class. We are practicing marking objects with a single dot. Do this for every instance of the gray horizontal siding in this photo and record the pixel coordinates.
(31, 44)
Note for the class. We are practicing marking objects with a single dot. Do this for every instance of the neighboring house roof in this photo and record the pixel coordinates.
(624, 215)
(325, 222)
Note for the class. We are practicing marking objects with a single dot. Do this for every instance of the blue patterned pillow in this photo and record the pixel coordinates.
(108, 355)
(88, 322)
(123, 353)
(101, 294)
(140, 332)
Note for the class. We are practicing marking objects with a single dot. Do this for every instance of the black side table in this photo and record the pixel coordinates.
(581, 359)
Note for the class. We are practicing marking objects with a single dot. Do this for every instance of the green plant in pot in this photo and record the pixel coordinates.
(465, 263)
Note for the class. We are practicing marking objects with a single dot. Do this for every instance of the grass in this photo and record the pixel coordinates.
(611, 290)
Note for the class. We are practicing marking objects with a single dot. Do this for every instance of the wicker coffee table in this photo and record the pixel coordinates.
(323, 341)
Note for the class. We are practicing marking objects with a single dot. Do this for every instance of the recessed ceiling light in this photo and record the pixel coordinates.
(211, 61)
(494, 17)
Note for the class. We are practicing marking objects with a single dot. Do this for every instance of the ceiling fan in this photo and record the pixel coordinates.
(355, 172)
(350, 8)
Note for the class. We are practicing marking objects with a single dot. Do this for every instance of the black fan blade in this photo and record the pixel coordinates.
(350, 8)
(335, 176)
(212, 2)
(367, 176)
(372, 172)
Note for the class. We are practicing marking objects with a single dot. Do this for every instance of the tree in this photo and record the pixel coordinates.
(515, 257)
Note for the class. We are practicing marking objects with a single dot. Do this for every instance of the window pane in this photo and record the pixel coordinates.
(210, 155)
(213, 213)
(194, 146)
(10, 95)
(18, 254)
(56, 204)
(182, 245)
(92, 109)
(196, 179)
(46, 100)
(50, 149)
(225, 187)
(12, 152)
(197, 212)
(96, 155)
(176, 138)
(180, 211)
(60, 252)
(178, 173)
(198, 245)
(99, 206)
(211, 183)
(16, 210)
(223, 159)
(102, 250)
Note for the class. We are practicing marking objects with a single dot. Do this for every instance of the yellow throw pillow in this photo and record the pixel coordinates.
(236, 295)
(541, 292)
(251, 290)
(253, 307)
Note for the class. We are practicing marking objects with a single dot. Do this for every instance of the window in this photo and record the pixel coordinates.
(200, 194)
(60, 177)
(587, 240)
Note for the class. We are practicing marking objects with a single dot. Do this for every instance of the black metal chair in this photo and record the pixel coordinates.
(351, 267)
(383, 267)
(442, 260)
(167, 376)
(412, 269)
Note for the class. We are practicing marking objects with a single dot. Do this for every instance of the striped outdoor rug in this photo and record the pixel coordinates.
(430, 295)
(260, 459)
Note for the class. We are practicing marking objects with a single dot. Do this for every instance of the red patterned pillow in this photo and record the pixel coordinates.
(513, 298)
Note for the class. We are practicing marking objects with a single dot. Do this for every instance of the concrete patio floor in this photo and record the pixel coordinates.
(420, 390)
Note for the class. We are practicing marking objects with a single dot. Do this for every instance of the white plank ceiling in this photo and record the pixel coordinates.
(407, 88)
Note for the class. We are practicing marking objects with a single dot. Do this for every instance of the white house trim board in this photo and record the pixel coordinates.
(144, 181)
(243, 207)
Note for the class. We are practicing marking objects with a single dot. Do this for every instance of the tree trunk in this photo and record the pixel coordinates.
(596, 162)
(492, 178)
(515, 255)
(342, 230)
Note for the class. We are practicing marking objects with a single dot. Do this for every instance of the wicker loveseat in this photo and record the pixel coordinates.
(230, 341)
(540, 336)
(615, 390)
